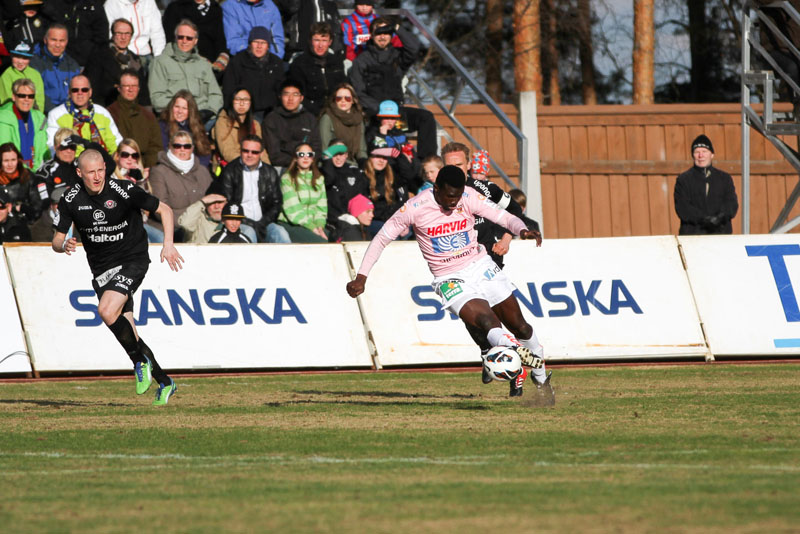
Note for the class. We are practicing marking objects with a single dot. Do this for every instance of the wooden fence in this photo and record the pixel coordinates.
(611, 170)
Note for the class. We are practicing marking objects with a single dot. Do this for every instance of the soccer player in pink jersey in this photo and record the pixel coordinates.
(469, 283)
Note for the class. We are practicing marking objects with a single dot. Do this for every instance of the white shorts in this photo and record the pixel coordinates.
(482, 279)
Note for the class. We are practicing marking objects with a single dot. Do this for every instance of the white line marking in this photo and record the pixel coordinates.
(178, 461)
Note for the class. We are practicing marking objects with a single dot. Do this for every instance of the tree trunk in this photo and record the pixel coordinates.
(643, 52)
(698, 44)
(550, 53)
(586, 52)
(494, 57)
(527, 40)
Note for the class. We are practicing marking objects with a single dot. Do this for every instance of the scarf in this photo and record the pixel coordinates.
(80, 119)
(6, 179)
(347, 126)
(183, 166)
(26, 129)
(203, 8)
(126, 60)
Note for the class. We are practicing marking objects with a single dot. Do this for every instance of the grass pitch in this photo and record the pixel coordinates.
(700, 448)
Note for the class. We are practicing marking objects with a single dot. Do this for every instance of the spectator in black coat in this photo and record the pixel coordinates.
(705, 197)
(320, 69)
(108, 63)
(86, 23)
(27, 25)
(207, 16)
(260, 209)
(377, 75)
(12, 228)
(343, 181)
(288, 125)
(388, 190)
(299, 15)
(258, 71)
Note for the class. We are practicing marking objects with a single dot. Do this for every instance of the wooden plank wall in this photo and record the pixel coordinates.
(611, 170)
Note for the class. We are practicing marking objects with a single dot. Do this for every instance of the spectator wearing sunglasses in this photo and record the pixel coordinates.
(180, 66)
(55, 65)
(92, 121)
(342, 118)
(129, 167)
(20, 68)
(319, 68)
(254, 185)
(178, 179)
(305, 201)
(23, 125)
(135, 121)
(288, 125)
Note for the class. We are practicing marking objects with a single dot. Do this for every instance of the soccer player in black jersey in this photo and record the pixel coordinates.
(107, 215)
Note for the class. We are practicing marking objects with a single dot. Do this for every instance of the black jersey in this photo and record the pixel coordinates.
(490, 233)
(109, 223)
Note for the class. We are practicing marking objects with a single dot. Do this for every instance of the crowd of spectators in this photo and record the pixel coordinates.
(255, 120)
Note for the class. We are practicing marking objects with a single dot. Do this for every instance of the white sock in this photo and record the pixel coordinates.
(500, 337)
(533, 344)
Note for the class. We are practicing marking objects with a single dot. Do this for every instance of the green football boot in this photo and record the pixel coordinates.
(164, 392)
(143, 372)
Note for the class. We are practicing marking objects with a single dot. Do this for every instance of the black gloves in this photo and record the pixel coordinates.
(713, 221)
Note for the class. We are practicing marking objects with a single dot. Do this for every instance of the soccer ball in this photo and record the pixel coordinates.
(503, 363)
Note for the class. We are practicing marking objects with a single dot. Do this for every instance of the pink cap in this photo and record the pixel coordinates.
(358, 205)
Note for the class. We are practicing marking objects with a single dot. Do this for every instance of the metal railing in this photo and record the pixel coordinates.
(765, 123)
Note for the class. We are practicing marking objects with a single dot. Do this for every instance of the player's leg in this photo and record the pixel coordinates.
(116, 311)
(510, 314)
(476, 313)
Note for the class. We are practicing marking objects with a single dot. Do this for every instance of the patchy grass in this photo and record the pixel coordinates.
(699, 448)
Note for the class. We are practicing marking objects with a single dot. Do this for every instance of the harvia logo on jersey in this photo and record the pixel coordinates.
(202, 307)
(555, 299)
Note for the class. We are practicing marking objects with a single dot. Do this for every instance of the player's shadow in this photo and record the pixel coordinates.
(60, 403)
(387, 394)
(415, 399)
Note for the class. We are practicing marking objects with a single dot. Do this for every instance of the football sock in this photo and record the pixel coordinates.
(500, 337)
(533, 344)
(158, 373)
(123, 331)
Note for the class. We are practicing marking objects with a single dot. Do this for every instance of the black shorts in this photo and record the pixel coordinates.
(124, 279)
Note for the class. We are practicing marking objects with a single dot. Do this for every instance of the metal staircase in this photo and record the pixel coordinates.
(420, 91)
(768, 123)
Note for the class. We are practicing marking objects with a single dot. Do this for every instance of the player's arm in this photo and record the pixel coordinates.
(62, 244)
(397, 225)
(168, 251)
(511, 222)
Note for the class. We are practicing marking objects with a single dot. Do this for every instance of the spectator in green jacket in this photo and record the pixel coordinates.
(20, 68)
(92, 121)
(305, 203)
(23, 125)
(180, 66)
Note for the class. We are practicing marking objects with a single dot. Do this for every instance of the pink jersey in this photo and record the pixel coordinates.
(448, 241)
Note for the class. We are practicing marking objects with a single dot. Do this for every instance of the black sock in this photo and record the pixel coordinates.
(158, 373)
(123, 331)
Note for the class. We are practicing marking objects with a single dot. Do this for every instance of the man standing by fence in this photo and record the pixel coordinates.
(705, 198)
